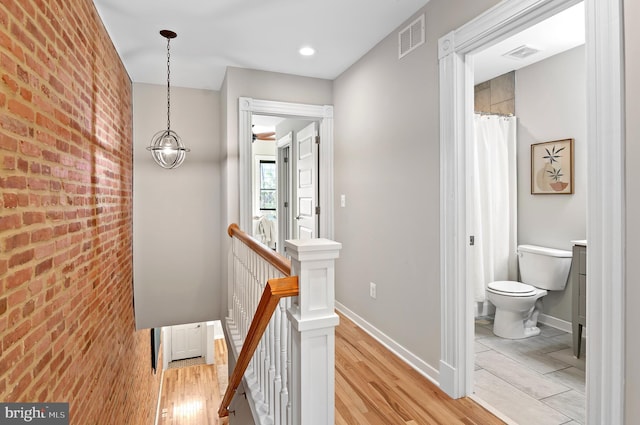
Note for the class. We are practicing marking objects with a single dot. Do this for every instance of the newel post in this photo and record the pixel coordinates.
(313, 338)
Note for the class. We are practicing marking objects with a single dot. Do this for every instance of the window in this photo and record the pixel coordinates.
(268, 185)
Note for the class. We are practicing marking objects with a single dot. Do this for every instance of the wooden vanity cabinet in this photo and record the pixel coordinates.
(579, 295)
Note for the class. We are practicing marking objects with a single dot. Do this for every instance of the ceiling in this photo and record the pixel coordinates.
(256, 34)
(267, 34)
(557, 34)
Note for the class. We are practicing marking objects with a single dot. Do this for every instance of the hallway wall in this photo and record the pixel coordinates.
(387, 163)
(66, 314)
(176, 236)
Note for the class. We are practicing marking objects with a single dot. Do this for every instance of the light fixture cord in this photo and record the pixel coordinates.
(168, 86)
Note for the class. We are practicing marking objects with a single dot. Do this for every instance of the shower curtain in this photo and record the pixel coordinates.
(493, 200)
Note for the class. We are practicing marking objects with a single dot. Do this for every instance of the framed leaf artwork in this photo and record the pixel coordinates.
(552, 167)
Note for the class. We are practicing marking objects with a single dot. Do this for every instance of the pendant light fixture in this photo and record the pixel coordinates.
(166, 146)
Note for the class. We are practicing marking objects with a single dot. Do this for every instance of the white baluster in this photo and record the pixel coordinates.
(274, 404)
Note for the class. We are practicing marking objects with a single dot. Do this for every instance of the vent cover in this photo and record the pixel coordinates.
(411, 37)
(521, 52)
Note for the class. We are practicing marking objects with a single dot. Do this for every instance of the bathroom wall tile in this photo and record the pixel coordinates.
(482, 100)
(571, 377)
(503, 88)
(571, 404)
(507, 107)
(482, 86)
(514, 403)
(519, 375)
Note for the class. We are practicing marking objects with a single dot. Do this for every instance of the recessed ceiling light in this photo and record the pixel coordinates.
(307, 51)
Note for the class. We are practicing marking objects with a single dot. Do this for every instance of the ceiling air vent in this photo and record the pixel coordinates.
(521, 52)
(411, 37)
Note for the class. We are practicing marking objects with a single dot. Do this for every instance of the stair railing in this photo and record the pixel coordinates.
(281, 329)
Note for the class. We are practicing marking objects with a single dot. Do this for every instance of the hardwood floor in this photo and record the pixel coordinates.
(373, 387)
(191, 395)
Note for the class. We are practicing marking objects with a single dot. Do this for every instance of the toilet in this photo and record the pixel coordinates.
(519, 303)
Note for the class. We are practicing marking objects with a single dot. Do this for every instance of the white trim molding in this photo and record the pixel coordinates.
(606, 204)
(324, 114)
(606, 213)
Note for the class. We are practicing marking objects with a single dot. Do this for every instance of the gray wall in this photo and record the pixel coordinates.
(387, 164)
(551, 105)
(632, 57)
(176, 213)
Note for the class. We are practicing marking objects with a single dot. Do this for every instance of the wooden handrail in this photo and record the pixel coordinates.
(275, 259)
(273, 292)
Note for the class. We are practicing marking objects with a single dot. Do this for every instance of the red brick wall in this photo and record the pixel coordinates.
(66, 314)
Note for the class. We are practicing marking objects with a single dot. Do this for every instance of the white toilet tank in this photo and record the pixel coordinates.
(544, 268)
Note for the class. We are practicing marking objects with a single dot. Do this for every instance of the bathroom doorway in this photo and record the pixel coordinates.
(535, 379)
(604, 398)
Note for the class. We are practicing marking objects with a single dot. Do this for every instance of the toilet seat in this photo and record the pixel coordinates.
(512, 288)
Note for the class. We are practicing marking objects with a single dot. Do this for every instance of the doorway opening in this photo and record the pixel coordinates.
(538, 96)
(605, 223)
(301, 132)
(285, 176)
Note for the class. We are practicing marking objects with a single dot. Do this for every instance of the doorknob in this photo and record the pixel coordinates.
(298, 218)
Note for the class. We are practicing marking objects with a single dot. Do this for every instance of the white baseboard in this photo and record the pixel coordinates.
(408, 357)
(554, 322)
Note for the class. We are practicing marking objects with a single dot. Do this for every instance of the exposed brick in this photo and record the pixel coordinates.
(10, 200)
(30, 149)
(10, 83)
(20, 109)
(42, 235)
(21, 258)
(45, 251)
(10, 357)
(65, 217)
(28, 308)
(22, 165)
(31, 217)
(17, 241)
(18, 278)
(17, 334)
(15, 182)
(9, 222)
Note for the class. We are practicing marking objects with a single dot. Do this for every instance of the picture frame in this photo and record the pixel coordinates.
(552, 168)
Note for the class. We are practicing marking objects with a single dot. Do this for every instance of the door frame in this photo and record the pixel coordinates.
(284, 147)
(324, 114)
(605, 186)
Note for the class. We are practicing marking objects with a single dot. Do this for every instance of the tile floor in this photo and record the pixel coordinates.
(533, 381)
